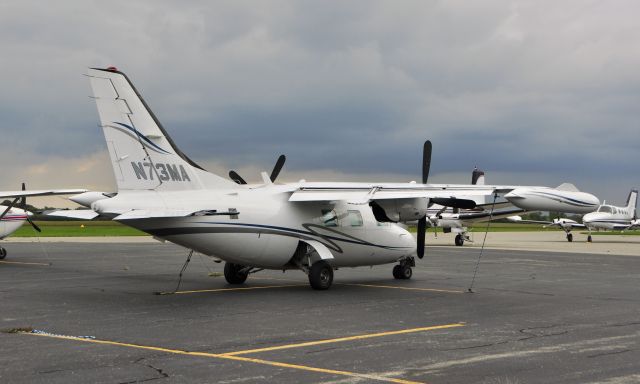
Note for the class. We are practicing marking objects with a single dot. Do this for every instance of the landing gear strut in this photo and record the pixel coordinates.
(3, 253)
(403, 270)
(235, 273)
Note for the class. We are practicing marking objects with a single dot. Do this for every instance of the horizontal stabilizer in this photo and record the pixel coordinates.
(41, 192)
(82, 214)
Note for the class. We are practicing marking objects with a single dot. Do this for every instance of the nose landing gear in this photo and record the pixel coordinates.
(403, 270)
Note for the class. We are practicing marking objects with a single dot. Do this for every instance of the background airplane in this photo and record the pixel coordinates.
(313, 227)
(606, 217)
(12, 217)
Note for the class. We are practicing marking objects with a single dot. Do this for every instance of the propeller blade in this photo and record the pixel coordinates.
(235, 177)
(426, 161)
(454, 203)
(277, 168)
(23, 200)
(33, 224)
(421, 233)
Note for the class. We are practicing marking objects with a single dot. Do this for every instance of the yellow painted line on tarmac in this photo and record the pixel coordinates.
(342, 339)
(398, 287)
(321, 370)
(227, 356)
(232, 289)
(23, 263)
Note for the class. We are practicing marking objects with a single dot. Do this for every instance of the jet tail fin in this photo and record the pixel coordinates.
(143, 155)
(567, 187)
(632, 200)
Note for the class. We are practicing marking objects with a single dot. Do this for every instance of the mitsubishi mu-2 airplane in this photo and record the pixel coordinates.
(316, 227)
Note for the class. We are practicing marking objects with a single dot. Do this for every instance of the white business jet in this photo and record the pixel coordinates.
(12, 218)
(314, 227)
(606, 217)
(457, 221)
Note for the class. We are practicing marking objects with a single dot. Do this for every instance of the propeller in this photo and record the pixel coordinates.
(274, 174)
(278, 167)
(237, 178)
(426, 161)
(422, 222)
(23, 206)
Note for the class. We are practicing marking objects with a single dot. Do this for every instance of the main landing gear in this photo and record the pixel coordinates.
(3, 253)
(235, 273)
(403, 270)
(320, 275)
(569, 237)
(459, 240)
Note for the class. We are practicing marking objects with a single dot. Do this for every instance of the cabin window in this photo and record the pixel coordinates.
(329, 218)
(354, 218)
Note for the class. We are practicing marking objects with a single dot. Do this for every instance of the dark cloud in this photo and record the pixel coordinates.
(536, 92)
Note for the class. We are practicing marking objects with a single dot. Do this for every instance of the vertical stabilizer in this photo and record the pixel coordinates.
(632, 200)
(142, 154)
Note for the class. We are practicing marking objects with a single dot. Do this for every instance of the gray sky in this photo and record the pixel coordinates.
(533, 92)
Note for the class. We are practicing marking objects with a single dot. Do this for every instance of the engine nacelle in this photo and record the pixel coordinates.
(400, 210)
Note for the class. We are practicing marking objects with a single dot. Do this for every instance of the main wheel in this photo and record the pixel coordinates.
(459, 240)
(589, 239)
(3, 253)
(569, 237)
(233, 275)
(321, 275)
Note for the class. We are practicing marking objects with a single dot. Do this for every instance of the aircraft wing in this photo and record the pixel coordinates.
(41, 192)
(363, 193)
(484, 215)
(558, 222)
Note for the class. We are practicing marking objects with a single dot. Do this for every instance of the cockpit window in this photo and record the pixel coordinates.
(605, 208)
(329, 218)
(354, 218)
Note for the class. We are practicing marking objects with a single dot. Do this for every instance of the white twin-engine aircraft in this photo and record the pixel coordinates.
(314, 227)
(12, 218)
(606, 217)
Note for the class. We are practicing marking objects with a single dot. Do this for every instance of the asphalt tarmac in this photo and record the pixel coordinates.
(533, 317)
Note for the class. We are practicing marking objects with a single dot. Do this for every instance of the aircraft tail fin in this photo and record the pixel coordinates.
(567, 187)
(477, 177)
(632, 200)
(142, 154)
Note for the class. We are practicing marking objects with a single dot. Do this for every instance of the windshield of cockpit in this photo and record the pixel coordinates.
(605, 208)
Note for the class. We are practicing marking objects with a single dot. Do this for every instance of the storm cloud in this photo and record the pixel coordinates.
(533, 92)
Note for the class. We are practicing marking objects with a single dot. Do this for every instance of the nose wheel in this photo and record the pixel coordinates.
(403, 270)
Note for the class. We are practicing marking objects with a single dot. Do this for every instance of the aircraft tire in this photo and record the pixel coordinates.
(589, 239)
(459, 241)
(396, 272)
(402, 272)
(321, 276)
(3, 253)
(233, 275)
(569, 237)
